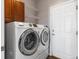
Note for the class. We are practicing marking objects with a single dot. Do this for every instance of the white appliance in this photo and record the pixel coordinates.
(44, 41)
(23, 41)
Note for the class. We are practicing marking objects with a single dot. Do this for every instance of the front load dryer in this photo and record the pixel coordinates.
(22, 41)
(43, 47)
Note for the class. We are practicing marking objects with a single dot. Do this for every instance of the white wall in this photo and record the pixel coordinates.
(30, 11)
(43, 7)
(43, 10)
(2, 28)
(2, 23)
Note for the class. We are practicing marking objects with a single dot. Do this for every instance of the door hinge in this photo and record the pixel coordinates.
(76, 32)
(76, 7)
(76, 57)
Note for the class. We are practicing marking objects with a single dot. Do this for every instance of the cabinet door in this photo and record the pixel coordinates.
(19, 10)
(9, 10)
(63, 30)
(14, 10)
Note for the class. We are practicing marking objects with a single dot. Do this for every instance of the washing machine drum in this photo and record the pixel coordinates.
(44, 36)
(29, 42)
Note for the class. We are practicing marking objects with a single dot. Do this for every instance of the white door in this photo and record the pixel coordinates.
(63, 30)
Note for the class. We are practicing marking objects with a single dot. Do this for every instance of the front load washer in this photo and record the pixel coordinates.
(22, 41)
(26, 41)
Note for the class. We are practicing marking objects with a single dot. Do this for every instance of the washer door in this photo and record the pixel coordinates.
(44, 37)
(29, 42)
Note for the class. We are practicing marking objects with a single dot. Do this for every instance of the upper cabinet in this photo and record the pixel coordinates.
(14, 10)
(9, 10)
(19, 10)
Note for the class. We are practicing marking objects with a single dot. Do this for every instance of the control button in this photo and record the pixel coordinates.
(34, 25)
(30, 25)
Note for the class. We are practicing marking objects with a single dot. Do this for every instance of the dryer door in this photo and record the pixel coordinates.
(28, 42)
(44, 36)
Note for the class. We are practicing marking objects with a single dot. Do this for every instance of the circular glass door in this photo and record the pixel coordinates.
(44, 36)
(29, 42)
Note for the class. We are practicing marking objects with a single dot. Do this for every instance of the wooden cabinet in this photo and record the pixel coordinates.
(9, 10)
(19, 11)
(14, 11)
